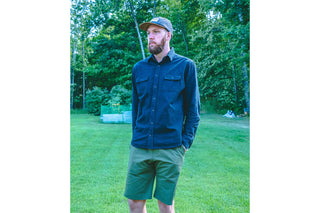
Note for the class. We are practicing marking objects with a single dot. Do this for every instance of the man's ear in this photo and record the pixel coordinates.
(169, 35)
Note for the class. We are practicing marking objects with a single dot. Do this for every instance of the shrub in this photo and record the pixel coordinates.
(95, 98)
(120, 95)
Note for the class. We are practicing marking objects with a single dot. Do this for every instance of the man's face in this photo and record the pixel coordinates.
(156, 39)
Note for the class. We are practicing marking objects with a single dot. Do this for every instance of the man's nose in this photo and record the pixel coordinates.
(151, 36)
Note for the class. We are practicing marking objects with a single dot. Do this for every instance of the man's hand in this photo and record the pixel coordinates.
(185, 149)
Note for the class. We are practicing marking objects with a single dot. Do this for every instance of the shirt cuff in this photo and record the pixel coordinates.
(185, 149)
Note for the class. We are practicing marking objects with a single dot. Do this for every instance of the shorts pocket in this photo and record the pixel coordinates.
(180, 151)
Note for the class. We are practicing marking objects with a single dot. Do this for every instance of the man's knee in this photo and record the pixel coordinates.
(137, 205)
(166, 208)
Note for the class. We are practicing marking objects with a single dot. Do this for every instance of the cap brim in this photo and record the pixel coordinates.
(144, 26)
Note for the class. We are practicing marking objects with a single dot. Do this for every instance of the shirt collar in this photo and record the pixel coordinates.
(170, 56)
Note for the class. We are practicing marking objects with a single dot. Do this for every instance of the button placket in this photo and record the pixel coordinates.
(153, 102)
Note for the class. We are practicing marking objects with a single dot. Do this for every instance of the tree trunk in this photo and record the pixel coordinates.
(72, 74)
(234, 77)
(154, 8)
(137, 28)
(244, 71)
(184, 32)
(83, 90)
(235, 86)
(185, 41)
(246, 86)
(83, 79)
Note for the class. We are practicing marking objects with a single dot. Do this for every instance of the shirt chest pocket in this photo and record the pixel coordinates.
(142, 84)
(172, 82)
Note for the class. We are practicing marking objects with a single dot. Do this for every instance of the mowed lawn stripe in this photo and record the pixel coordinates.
(215, 176)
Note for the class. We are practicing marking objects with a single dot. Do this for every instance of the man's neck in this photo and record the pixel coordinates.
(161, 55)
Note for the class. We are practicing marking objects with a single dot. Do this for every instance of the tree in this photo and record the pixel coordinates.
(137, 27)
(106, 43)
(81, 29)
(221, 49)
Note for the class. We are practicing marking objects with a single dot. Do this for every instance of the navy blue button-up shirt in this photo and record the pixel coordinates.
(165, 102)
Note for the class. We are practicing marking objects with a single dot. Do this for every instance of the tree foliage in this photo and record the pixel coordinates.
(105, 45)
(95, 98)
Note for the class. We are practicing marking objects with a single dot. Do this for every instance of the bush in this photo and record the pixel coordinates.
(95, 98)
(212, 105)
(120, 95)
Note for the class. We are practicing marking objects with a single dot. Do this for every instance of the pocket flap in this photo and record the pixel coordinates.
(142, 79)
(172, 77)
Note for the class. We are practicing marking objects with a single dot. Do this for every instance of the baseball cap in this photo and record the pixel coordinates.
(159, 21)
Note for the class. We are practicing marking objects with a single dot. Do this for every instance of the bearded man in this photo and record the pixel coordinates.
(165, 117)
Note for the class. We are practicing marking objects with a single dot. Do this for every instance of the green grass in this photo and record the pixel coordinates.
(214, 178)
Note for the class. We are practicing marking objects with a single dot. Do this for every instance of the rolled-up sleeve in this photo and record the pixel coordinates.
(191, 105)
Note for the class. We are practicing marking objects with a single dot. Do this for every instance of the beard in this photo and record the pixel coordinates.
(157, 48)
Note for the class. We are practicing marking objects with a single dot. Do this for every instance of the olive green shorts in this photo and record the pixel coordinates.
(147, 165)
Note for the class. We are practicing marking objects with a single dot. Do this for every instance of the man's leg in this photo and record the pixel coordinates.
(137, 206)
(164, 208)
(168, 169)
(140, 179)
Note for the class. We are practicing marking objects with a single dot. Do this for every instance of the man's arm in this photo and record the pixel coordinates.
(191, 105)
(134, 101)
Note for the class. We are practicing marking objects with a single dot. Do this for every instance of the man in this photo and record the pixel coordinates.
(165, 117)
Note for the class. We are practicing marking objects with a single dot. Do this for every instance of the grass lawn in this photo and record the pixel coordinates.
(214, 178)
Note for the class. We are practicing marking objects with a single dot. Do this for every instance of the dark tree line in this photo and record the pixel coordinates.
(106, 42)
